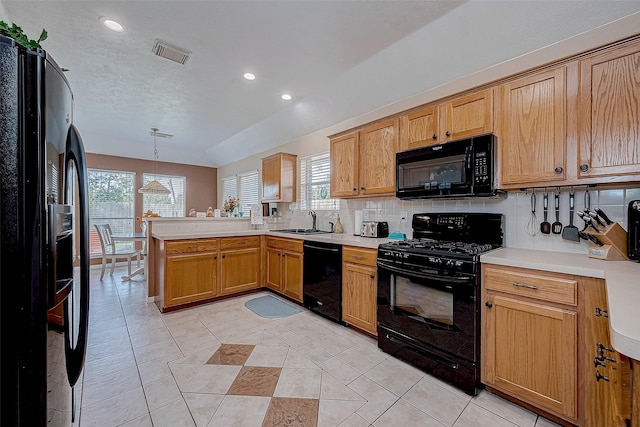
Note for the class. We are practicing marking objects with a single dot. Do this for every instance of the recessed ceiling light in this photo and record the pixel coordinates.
(112, 24)
(249, 76)
(286, 97)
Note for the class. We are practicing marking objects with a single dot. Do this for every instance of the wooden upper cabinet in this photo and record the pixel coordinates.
(462, 117)
(467, 116)
(609, 113)
(531, 112)
(378, 147)
(344, 165)
(279, 178)
(420, 128)
(363, 163)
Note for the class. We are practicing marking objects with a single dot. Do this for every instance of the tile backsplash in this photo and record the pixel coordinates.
(516, 208)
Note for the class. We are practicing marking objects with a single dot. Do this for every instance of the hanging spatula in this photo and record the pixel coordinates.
(556, 227)
(571, 232)
(545, 226)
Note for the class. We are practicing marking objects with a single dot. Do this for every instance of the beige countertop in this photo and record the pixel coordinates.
(342, 239)
(622, 281)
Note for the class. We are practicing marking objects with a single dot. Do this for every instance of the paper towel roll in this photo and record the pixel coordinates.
(357, 223)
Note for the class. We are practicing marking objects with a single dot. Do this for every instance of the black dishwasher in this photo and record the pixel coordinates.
(322, 283)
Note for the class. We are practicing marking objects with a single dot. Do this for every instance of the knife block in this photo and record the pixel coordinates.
(614, 238)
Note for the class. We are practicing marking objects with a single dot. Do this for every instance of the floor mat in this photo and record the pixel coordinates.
(270, 307)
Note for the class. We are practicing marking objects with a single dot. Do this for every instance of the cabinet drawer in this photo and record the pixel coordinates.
(286, 244)
(187, 246)
(240, 242)
(359, 255)
(532, 285)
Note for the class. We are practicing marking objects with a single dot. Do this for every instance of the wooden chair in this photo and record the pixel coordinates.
(109, 251)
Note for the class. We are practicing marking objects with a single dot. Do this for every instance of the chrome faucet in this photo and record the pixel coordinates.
(313, 215)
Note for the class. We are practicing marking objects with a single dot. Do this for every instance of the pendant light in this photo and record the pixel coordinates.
(154, 187)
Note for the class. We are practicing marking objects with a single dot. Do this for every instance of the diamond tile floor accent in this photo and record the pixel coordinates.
(291, 411)
(255, 381)
(231, 354)
(221, 365)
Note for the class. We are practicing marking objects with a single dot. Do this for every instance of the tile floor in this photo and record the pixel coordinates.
(222, 365)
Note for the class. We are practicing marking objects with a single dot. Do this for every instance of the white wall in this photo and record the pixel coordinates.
(516, 207)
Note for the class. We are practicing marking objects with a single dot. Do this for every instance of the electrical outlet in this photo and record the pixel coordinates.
(403, 216)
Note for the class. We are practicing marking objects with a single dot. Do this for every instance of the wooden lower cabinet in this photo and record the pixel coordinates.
(531, 353)
(284, 266)
(190, 277)
(359, 288)
(186, 271)
(274, 269)
(541, 338)
(239, 264)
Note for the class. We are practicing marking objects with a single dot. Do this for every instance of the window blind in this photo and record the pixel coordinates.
(111, 201)
(229, 187)
(165, 205)
(243, 186)
(315, 177)
(248, 191)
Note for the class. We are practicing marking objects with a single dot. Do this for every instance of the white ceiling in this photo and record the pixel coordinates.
(338, 59)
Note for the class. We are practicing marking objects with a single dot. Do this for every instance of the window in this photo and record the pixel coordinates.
(165, 205)
(243, 186)
(111, 201)
(314, 183)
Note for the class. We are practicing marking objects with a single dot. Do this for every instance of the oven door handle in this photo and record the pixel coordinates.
(424, 275)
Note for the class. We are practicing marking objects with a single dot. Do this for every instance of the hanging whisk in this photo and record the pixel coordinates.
(531, 227)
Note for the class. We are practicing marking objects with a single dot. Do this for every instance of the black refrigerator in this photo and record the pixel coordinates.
(44, 242)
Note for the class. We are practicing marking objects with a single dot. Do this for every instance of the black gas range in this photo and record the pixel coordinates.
(428, 294)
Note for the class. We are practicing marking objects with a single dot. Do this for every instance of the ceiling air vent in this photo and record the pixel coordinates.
(171, 52)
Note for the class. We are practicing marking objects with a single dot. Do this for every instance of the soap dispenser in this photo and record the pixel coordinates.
(339, 229)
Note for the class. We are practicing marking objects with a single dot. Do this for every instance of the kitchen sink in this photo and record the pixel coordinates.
(301, 231)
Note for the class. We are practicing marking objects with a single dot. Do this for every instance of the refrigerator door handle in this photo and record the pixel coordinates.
(74, 355)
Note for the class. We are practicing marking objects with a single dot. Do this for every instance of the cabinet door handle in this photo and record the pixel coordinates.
(357, 256)
(355, 189)
(223, 256)
(597, 362)
(362, 188)
(215, 257)
(488, 304)
(559, 169)
(434, 136)
(372, 276)
(601, 313)
(584, 167)
(447, 133)
(599, 376)
(522, 285)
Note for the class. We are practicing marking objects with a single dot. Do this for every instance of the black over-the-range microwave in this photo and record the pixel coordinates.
(457, 169)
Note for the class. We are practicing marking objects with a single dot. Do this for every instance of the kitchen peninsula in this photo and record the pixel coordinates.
(231, 239)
